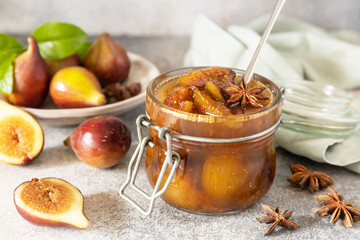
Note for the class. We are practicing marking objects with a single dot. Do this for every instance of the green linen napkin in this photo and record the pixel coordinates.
(295, 51)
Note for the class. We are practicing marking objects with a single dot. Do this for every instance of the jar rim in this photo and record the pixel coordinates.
(181, 71)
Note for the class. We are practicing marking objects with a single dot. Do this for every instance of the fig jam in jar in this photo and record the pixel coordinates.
(227, 160)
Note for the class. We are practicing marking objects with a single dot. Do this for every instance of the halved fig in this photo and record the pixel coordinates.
(205, 104)
(51, 202)
(21, 136)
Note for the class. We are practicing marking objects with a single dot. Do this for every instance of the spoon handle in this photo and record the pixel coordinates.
(250, 69)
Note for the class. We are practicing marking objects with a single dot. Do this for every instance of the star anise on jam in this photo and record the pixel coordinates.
(305, 178)
(244, 96)
(276, 218)
(335, 207)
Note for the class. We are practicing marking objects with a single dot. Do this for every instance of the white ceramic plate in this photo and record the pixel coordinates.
(141, 70)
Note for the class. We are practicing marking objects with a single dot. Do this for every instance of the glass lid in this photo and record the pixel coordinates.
(318, 109)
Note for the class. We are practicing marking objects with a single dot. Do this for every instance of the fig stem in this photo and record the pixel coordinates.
(67, 142)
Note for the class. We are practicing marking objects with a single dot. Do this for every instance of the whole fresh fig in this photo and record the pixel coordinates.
(100, 142)
(56, 65)
(76, 87)
(31, 78)
(107, 60)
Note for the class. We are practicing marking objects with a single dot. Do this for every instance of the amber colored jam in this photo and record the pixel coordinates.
(47, 196)
(203, 92)
(213, 177)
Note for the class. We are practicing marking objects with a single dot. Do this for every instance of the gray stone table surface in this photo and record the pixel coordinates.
(113, 218)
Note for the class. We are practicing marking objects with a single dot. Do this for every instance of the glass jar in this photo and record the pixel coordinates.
(227, 163)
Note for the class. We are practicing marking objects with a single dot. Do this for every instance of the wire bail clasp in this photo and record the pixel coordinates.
(172, 160)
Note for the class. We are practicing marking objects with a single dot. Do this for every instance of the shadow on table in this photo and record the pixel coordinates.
(58, 156)
(105, 212)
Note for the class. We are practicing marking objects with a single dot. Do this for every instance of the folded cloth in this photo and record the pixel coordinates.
(295, 51)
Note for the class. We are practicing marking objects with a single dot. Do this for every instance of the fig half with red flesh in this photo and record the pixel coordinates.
(51, 202)
(21, 136)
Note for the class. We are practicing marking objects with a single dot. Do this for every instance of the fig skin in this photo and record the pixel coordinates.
(107, 60)
(19, 131)
(57, 65)
(101, 142)
(41, 219)
(31, 78)
(76, 87)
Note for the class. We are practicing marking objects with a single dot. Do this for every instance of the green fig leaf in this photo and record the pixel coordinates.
(83, 50)
(9, 44)
(7, 71)
(58, 40)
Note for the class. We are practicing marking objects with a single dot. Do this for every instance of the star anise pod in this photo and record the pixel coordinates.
(335, 207)
(276, 218)
(305, 178)
(244, 96)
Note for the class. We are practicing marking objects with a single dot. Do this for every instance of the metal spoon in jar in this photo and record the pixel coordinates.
(274, 15)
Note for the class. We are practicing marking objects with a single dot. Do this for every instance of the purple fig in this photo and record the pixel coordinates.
(31, 78)
(56, 65)
(100, 142)
(107, 60)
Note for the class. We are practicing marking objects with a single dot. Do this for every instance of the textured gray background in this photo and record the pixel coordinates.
(166, 17)
(112, 218)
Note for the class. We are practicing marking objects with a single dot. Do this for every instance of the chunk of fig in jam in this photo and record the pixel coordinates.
(198, 78)
(205, 104)
(180, 98)
(214, 91)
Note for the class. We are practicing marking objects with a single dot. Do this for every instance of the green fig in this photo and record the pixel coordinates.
(76, 87)
(56, 65)
(31, 77)
(107, 60)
